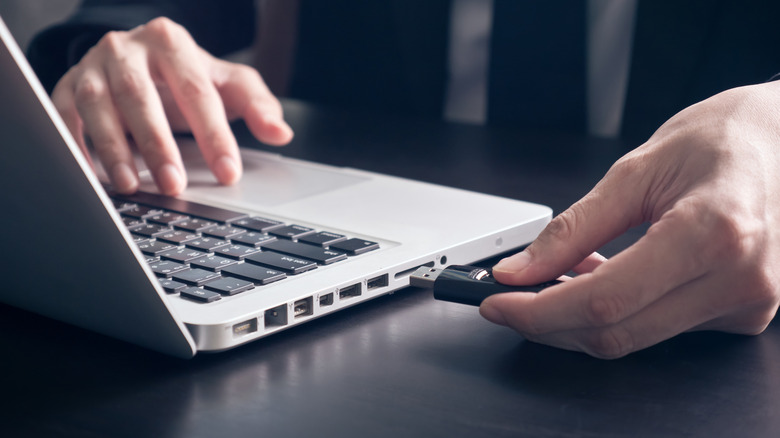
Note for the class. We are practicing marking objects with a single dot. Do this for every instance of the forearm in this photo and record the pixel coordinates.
(219, 27)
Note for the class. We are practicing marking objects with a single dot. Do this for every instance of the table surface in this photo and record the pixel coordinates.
(403, 364)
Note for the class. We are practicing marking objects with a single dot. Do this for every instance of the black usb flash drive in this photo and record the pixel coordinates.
(466, 284)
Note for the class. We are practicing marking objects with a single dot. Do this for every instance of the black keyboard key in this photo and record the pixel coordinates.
(172, 286)
(316, 253)
(141, 212)
(229, 286)
(195, 277)
(252, 238)
(178, 236)
(183, 255)
(132, 223)
(155, 248)
(323, 238)
(285, 263)
(255, 274)
(121, 206)
(182, 206)
(257, 224)
(291, 231)
(168, 218)
(212, 263)
(140, 239)
(208, 244)
(195, 225)
(166, 268)
(224, 231)
(151, 259)
(151, 230)
(355, 246)
(202, 295)
(236, 252)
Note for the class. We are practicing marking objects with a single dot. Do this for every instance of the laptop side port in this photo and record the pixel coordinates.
(304, 307)
(276, 317)
(350, 291)
(377, 282)
(326, 300)
(244, 328)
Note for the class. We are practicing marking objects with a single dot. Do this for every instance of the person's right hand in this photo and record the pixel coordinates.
(152, 80)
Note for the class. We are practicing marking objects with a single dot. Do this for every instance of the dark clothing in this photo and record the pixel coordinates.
(391, 55)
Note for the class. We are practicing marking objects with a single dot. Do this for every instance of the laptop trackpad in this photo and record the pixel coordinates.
(268, 179)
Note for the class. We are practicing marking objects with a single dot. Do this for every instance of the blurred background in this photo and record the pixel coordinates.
(26, 17)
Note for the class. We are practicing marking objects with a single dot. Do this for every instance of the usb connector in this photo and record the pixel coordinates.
(465, 284)
(424, 277)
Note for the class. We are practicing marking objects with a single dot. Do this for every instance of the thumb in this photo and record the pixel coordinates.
(603, 214)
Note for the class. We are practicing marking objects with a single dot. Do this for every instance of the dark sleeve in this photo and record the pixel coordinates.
(219, 27)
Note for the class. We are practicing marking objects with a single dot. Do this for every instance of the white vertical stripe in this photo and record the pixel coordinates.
(610, 36)
(469, 53)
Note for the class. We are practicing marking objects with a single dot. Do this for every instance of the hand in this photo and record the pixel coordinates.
(708, 181)
(153, 80)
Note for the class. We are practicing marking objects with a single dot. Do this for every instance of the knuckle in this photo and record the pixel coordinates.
(628, 166)
(733, 237)
(152, 145)
(763, 297)
(193, 88)
(89, 90)
(562, 226)
(128, 85)
(610, 343)
(246, 74)
(113, 42)
(603, 309)
(167, 33)
(561, 230)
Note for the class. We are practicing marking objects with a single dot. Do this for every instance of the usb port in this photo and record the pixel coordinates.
(303, 307)
(246, 327)
(350, 291)
(376, 282)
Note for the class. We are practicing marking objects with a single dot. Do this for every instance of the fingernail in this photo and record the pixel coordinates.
(226, 170)
(124, 178)
(515, 263)
(492, 313)
(169, 179)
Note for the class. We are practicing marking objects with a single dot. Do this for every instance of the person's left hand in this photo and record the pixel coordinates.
(708, 181)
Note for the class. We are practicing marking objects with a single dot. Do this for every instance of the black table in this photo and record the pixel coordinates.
(404, 364)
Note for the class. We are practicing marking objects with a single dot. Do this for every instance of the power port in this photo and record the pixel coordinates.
(276, 317)
(246, 327)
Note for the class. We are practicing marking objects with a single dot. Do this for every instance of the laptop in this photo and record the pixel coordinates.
(217, 266)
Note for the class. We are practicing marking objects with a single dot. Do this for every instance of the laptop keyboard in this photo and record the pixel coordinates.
(203, 253)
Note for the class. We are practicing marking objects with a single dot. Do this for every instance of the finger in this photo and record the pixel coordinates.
(590, 263)
(669, 255)
(678, 311)
(611, 208)
(197, 98)
(246, 95)
(101, 122)
(62, 97)
(139, 104)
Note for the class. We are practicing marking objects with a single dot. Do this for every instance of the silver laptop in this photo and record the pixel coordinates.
(218, 266)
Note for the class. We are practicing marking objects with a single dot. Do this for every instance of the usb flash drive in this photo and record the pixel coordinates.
(466, 284)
